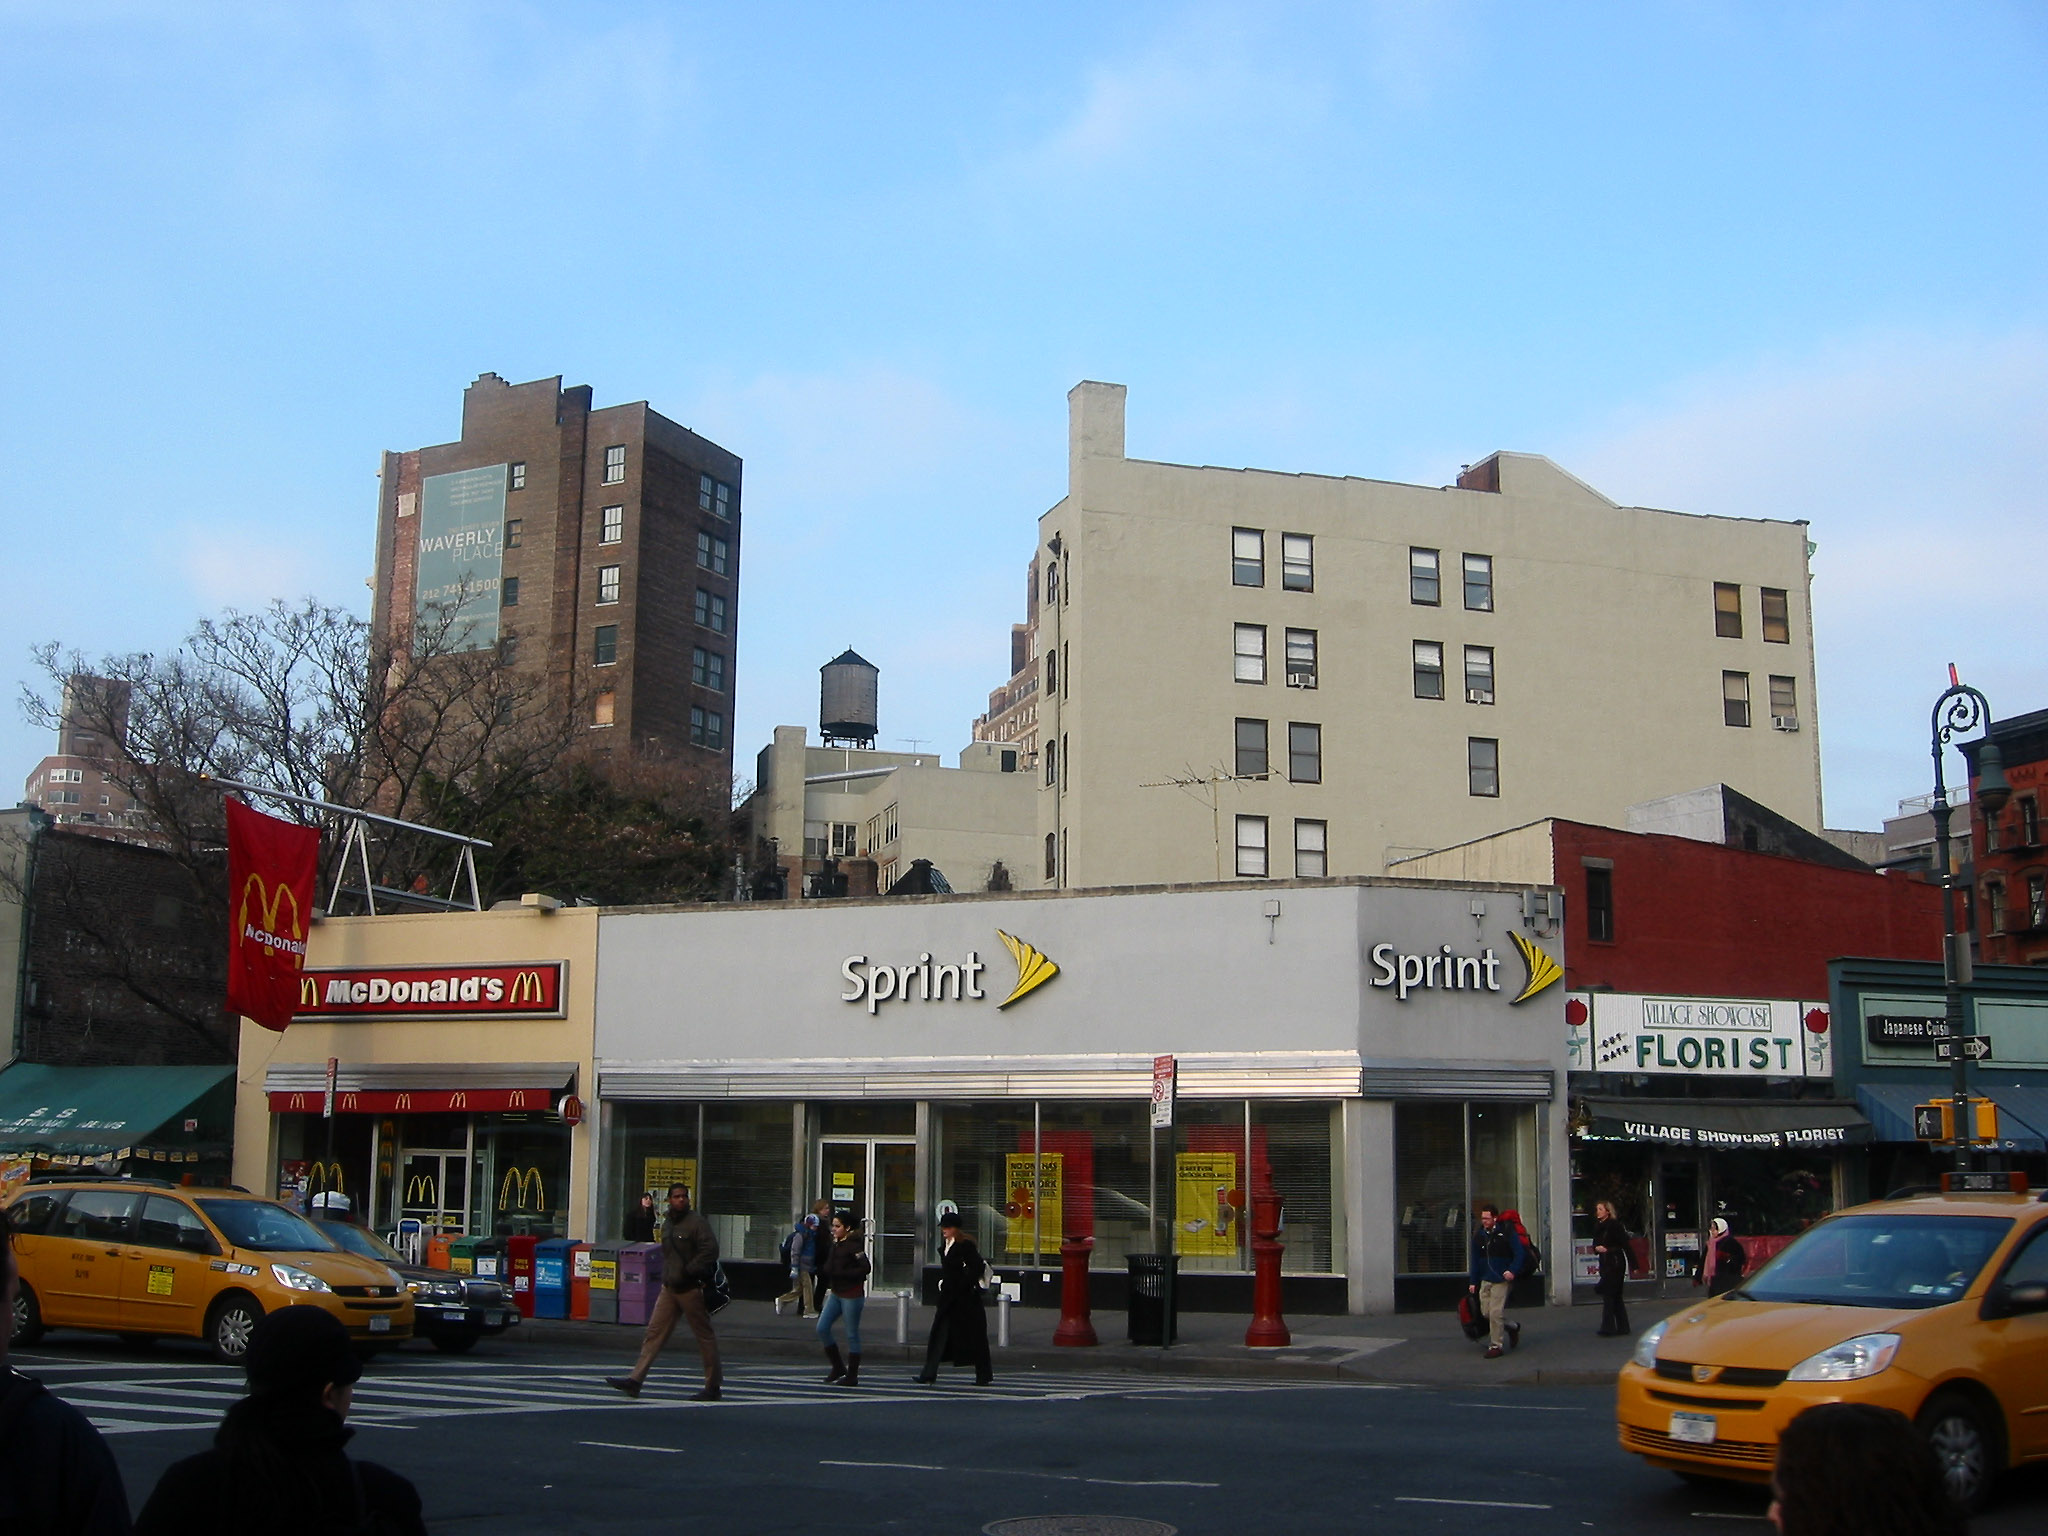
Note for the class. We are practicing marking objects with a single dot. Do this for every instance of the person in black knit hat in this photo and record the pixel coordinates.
(277, 1461)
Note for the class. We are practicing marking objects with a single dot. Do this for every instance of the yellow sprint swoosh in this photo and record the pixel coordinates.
(1034, 970)
(1542, 969)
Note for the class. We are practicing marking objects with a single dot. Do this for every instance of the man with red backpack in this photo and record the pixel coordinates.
(1499, 1254)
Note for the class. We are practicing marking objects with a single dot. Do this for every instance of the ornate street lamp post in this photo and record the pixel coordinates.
(1961, 708)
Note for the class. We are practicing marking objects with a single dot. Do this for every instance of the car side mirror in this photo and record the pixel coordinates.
(2030, 1296)
(197, 1240)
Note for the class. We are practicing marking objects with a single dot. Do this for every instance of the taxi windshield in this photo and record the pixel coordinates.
(361, 1240)
(1878, 1260)
(265, 1227)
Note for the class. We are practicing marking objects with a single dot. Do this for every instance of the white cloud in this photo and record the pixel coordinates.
(1916, 457)
(243, 567)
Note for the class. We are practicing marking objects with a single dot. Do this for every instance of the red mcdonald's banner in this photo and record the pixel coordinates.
(271, 867)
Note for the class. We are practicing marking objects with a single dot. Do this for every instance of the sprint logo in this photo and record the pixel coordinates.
(926, 980)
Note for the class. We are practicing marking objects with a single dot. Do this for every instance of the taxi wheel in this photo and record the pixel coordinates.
(228, 1328)
(26, 1326)
(1965, 1447)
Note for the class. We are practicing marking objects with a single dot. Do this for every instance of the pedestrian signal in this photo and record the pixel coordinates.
(1935, 1121)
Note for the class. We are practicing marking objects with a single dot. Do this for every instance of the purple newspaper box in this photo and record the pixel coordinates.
(639, 1281)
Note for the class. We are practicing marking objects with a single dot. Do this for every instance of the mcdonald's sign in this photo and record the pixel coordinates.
(270, 875)
(422, 1191)
(421, 1101)
(517, 1186)
(536, 990)
(324, 1178)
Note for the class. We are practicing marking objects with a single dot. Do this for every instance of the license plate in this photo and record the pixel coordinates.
(455, 1315)
(380, 1325)
(1693, 1428)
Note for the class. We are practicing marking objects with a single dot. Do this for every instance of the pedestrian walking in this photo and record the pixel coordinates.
(277, 1462)
(1497, 1257)
(800, 1256)
(844, 1278)
(56, 1473)
(960, 1328)
(1854, 1469)
(1610, 1245)
(689, 1256)
(1724, 1262)
(640, 1221)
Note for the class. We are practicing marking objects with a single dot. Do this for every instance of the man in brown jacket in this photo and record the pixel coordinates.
(689, 1254)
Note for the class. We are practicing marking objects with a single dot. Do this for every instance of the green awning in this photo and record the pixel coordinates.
(95, 1111)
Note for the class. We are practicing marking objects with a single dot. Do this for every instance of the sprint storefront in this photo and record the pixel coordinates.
(461, 1050)
(1365, 1049)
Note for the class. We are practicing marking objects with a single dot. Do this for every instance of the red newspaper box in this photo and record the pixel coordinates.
(519, 1257)
(579, 1281)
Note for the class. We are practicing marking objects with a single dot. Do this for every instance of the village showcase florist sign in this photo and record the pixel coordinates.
(1697, 1036)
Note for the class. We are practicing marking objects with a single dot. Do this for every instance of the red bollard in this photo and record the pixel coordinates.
(1269, 1328)
(1075, 1329)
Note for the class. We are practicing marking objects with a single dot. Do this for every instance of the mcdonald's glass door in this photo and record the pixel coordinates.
(875, 1182)
(433, 1189)
(524, 1179)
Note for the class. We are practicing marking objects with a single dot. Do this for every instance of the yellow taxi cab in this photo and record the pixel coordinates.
(1936, 1305)
(146, 1259)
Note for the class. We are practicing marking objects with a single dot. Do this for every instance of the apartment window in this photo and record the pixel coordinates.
(1785, 703)
(508, 649)
(1248, 557)
(1994, 907)
(1251, 749)
(1304, 752)
(1052, 856)
(615, 464)
(714, 496)
(1248, 648)
(1297, 562)
(1600, 905)
(1251, 846)
(1052, 584)
(1424, 585)
(518, 477)
(1992, 841)
(607, 583)
(707, 669)
(843, 843)
(1429, 669)
(2030, 822)
(514, 529)
(604, 648)
(1482, 766)
(602, 707)
(1311, 849)
(1735, 698)
(1067, 665)
(1052, 672)
(814, 839)
(611, 526)
(1777, 617)
(1052, 762)
(712, 553)
(889, 831)
(1727, 610)
(2037, 896)
(711, 610)
(1301, 658)
(1478, 674)
(1479, 583)
(707, 729)
(1066, 762)
(508, 592)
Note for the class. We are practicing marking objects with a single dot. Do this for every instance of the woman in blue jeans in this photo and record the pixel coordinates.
(843, 1278)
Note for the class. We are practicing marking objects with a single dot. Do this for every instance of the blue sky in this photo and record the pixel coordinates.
(1756, 260)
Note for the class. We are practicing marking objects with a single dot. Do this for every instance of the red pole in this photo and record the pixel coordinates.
(1075, 1329)
(1269, 1328)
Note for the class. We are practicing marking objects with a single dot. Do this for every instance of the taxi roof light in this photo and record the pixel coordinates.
(2010, 1181)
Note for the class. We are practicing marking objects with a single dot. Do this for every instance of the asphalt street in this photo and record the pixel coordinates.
(517, 1442)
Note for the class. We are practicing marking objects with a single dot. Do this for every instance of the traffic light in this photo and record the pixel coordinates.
(1935, 1121)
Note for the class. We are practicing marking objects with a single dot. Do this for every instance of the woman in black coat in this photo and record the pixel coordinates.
(960, 1330)
(1610, 1244)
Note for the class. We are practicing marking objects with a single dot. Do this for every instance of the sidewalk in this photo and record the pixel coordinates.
(1559, 1345)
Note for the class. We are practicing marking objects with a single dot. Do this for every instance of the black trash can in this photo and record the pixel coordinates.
(1150, 1320)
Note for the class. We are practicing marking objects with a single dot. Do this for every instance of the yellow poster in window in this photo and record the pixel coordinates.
(1204, 1221)
(1032, 1203)
(660, 1172)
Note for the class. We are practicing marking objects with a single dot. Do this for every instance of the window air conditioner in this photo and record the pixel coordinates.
(1299, 679)
(1478, 695)
(1784, 722)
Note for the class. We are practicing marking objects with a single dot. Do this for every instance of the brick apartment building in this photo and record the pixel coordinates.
(77, 785)
(2010, 855)
(597, 549)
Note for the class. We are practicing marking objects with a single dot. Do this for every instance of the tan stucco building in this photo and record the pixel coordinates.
(458, 1101)
(1249, 673)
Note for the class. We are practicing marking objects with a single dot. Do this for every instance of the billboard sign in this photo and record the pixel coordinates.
(462, 555)
(1698, 1036)
(530, 990)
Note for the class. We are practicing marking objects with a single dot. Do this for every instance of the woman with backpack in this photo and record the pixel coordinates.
(1610, 1245)
(843, 1276)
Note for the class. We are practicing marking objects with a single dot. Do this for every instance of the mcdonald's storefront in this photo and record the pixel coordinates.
(461, 1045)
